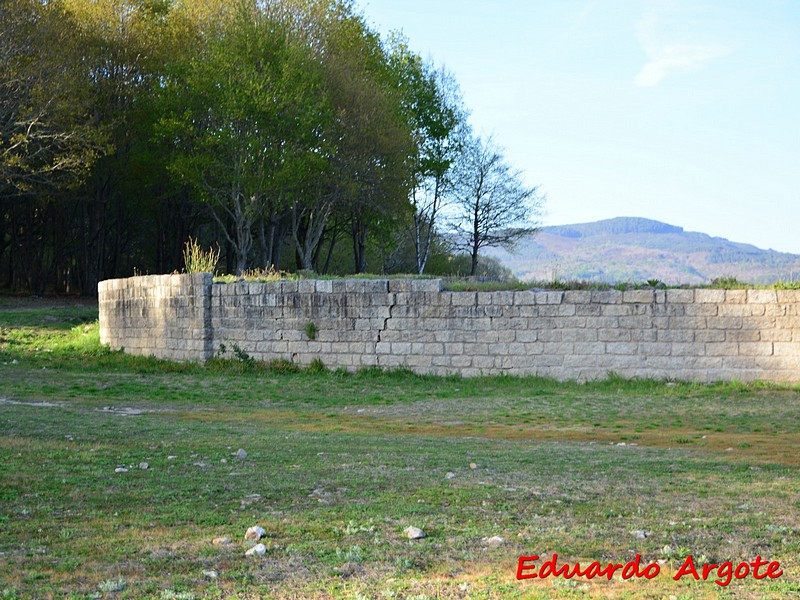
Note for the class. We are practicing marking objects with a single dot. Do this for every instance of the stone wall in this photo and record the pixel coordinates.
(167, 316)
(700, 335)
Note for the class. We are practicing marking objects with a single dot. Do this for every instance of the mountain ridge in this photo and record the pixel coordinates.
(637, 249)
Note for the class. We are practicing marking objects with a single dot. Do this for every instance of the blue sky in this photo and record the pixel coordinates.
(685, 111)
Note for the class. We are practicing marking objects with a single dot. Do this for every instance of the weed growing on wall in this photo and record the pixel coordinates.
(311, 331)
(198, 260)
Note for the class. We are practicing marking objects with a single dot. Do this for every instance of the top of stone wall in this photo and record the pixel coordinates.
(146, 281)
(534, 296)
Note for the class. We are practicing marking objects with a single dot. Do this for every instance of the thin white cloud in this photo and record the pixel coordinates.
(678, 57)
(667, 58)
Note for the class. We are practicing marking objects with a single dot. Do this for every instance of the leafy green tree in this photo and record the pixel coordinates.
(432, 103)
(373, 139)
(245, 115)
(48, 139)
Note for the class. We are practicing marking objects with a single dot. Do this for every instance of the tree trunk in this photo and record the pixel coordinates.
(359, 244)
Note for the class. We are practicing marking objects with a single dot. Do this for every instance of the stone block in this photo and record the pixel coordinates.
(755, 349)
(399, 285)
(549, 335)
(721, 349)
(549, 297)
(606, 297)
(742, 335)
(617, 310)
(638, 296)
(686, 349)
(708, 310)
(461, 361)
(695, 323)
(676, 335)
(654, 349)
(534, 348)
(582, 334)
(463, 298)
(483, 362)
(770, 310)
(704, 296)
(588, 310)
(762, 296)
(622, 348)
(725, 322)
(415, 361)
(577, 297)
(711, 335)
(614, 335)
(522, 335)
(788, 296)
(426, 285)
(492, 310)
(786, 349)
(779, 335)
(524, 298)
(526, 311)
(502, 298)
(680, 296)
(579, 361)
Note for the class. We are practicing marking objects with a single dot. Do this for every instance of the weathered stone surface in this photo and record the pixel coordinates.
(412, 323)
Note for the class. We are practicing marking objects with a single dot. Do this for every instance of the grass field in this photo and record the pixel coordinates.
(338, 465)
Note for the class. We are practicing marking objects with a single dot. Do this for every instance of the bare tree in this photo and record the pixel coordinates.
(494, 207)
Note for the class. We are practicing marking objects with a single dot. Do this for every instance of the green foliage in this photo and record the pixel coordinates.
(787, 284)
(48, 140)
(311, 331)
(258, 276)
(112, 585)
(729, 283)
(317, 366)
(198, 260)
(236, 352)
(282, 366)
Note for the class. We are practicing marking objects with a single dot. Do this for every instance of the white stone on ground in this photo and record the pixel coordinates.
(257, 550)
(414, 533)
(255, 532)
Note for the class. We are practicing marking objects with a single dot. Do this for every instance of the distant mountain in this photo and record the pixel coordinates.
(635, 249)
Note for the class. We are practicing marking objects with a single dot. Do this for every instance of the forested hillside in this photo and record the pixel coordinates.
(635, 250)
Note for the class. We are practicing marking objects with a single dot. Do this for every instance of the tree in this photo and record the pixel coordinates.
(494, 207)
(432, 103)
(373, 138)
(47, 138)
(246, 116)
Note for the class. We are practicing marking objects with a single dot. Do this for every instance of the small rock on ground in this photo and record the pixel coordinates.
(414, 533)
(257, 550)
(494, 541)
(120, 470)
(241, 453)
(210, 574)
(255, 533)
(449, 475)
(143, 465)
(222, 541)
(473, 466)
(641, 534)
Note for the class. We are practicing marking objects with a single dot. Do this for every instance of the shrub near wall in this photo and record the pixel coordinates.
(701, 335)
